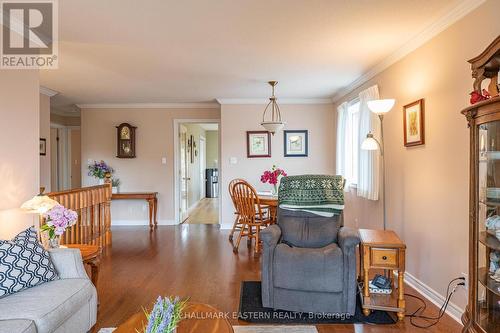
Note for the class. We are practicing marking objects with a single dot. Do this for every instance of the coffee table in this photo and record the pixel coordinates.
(200, 318)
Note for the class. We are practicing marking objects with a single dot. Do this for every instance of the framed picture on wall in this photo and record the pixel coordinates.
(43, 147)
(296, 143)
(413, 123)
(258, 144)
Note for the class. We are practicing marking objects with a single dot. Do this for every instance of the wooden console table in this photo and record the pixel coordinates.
(150, 197)
(382, 249)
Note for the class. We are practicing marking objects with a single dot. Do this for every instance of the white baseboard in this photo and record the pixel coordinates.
(226, 226)
(140, 222)
(453, 310)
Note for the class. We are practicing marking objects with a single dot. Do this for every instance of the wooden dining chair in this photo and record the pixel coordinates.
(252, 214)
(236, 225)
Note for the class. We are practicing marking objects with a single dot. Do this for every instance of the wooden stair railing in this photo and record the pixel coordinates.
(93, 205)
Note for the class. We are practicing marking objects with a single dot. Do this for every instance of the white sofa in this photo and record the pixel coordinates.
(66, 305)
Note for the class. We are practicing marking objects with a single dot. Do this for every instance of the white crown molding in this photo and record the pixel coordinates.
(48, 92)
(427, 34)
(149, 106)
(282, 101)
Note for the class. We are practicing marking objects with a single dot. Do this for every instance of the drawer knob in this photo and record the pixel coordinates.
(384, 257)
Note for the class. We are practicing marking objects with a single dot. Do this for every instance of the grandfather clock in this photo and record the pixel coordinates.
(125, 140)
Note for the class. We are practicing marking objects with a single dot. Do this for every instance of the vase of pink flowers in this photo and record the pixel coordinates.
(57, 220)
(273, 177)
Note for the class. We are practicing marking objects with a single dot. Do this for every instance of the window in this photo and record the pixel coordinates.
(352, 142)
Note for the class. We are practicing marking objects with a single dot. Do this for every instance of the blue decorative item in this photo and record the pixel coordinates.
(24, 263)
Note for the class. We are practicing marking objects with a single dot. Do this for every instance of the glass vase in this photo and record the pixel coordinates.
(55, 243)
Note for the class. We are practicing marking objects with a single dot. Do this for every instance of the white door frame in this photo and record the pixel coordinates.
(177, 152)
(203, 167)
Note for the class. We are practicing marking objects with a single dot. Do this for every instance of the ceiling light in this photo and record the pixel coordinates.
(274, 124)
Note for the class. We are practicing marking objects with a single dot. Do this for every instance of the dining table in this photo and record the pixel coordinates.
(271, 200)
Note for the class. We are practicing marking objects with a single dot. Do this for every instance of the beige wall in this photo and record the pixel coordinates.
(19, 154)
(427, 186)
(237, 119)
(146, 172)
(76, 158)
(64, 121)
(45, 133)
(212, 149)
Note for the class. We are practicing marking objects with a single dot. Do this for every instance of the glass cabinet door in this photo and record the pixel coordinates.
(488, 248)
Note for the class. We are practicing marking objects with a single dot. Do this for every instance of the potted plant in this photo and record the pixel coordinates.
(99, 170)
(57, 220)
(115, 183)
(273, 177)
(165, 316)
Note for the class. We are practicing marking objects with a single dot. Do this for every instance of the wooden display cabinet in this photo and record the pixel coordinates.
(482, 314)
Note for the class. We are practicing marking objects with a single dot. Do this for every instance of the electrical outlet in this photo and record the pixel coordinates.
(466, 277)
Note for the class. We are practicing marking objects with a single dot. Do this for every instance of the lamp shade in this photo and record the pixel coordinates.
(39, 204)
(381, 106)
(370, 143)
(273, 127)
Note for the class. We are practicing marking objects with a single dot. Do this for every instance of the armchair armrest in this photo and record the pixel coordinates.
(68, 263)
(271, 235)
(348, 238)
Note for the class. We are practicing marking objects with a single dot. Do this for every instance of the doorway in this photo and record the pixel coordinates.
(65, 157)
(197, 171)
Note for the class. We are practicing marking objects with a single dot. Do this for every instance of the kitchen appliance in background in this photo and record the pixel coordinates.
(212, 183)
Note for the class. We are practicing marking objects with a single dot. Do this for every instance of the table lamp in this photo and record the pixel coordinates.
(379, 107)
(39, 204)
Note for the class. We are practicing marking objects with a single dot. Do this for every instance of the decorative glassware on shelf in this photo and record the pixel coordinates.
(488, 229)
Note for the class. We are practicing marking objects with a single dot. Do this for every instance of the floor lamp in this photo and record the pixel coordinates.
(379, 107)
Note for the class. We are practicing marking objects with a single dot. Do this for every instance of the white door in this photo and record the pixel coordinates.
(203, 166)
(184, 174)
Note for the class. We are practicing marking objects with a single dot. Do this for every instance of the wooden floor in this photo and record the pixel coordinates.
(195, 261)
(206, 211)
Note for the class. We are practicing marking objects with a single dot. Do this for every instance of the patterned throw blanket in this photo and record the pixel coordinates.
(318, 194)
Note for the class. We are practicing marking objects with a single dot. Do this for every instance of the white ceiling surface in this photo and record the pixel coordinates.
(161, 51)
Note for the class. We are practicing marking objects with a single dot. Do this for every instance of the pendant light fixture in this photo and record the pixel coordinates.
(274, 122)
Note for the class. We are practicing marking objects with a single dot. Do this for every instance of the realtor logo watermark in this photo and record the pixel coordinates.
(29, 34)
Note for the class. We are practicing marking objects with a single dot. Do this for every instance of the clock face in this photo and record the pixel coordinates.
(125, 133)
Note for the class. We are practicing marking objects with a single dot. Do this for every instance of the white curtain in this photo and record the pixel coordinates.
(342, 130)
(369, 161)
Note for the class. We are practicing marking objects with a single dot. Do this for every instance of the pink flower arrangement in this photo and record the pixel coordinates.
(59, 219)
(272, 176)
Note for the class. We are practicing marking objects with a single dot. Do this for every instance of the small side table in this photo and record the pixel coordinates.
(91, 255)
(382, 249)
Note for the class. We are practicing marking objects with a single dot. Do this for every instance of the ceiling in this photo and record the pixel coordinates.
(162, 51)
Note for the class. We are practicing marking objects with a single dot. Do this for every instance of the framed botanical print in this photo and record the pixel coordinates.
(296, 143)
(258, 144)
(43, 147)
(414, 123)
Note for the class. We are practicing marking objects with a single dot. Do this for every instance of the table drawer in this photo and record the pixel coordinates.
(384, 257)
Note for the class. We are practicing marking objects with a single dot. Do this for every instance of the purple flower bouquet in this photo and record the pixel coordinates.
(99, 169)
(58, 219)
(165, 316)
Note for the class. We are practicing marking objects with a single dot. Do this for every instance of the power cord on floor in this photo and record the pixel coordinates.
(418, 314)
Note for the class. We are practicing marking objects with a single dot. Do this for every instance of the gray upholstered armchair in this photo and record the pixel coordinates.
(309, 264)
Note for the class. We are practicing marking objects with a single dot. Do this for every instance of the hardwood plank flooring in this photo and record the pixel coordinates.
(196, 261)
(206, 211)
